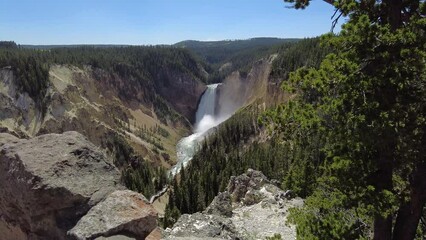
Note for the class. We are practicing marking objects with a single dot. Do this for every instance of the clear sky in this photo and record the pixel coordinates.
(142, 22)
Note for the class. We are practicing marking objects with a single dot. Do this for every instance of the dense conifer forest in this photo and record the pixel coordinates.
(351, 140)
(238, 145)
(225, 57)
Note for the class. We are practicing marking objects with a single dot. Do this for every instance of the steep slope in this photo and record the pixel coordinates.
(149, 103)
(135, 102)
(79, 102)
(238, 90)
(243, 141)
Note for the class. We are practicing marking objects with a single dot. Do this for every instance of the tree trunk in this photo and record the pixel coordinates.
(382, 228)
(409, 213)
(408, 219)
(383, 224)
(394, 13)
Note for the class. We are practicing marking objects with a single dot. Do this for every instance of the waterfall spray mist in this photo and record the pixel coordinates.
(205, 119)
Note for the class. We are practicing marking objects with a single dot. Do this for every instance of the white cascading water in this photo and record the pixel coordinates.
(205, 119)
(207, 105)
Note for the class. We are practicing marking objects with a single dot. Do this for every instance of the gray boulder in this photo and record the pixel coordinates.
(49, 182)
(249, 182)
(221, 205)
(7, 138)
(202, 226)
(122, 212)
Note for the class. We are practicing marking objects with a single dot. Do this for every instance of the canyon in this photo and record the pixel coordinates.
(56, 155)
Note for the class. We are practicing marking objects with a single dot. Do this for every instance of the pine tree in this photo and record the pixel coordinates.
(369, 101)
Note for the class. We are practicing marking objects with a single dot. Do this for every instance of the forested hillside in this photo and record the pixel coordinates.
(216, 52)
(119, 97)
(307, 53)
(139, 65)
(224, 57)
(137, 74)
(350, 139)
(246, 141)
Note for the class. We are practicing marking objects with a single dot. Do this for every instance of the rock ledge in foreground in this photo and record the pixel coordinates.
(49, 182)
(251, 208)
(122, 212)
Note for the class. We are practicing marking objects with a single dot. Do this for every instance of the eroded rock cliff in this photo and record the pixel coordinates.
(99, 104)
(182, 91)
(238, 90)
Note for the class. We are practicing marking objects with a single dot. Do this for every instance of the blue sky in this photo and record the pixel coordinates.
(142, 22)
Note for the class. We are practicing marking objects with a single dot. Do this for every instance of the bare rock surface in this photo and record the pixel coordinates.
(7, 138)
(49, 182)
(116, 237)
(156, 234)
(251, 208)
(240, 89)
(221, 205)
(122, 212)
(201, 225)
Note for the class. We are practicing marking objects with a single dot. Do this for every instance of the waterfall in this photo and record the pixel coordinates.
(207, 104)
(205, 119)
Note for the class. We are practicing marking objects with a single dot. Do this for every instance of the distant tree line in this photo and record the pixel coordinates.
(225, 57)
(8, 44)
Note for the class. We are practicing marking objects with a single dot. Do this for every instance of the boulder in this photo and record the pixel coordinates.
(221, 205)
(202, 226)
(240, 185)
(156, 234)
(122, 212)
(7, 138)
(49, 182)
(251, 208)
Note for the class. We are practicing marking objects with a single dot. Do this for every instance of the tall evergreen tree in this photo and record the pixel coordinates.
(369, 101)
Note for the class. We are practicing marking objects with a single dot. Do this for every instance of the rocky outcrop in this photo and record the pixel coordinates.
(122, 211)
(251, 208)
(221, 205)
(48, 183)
(156, 234)
(202, 226)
